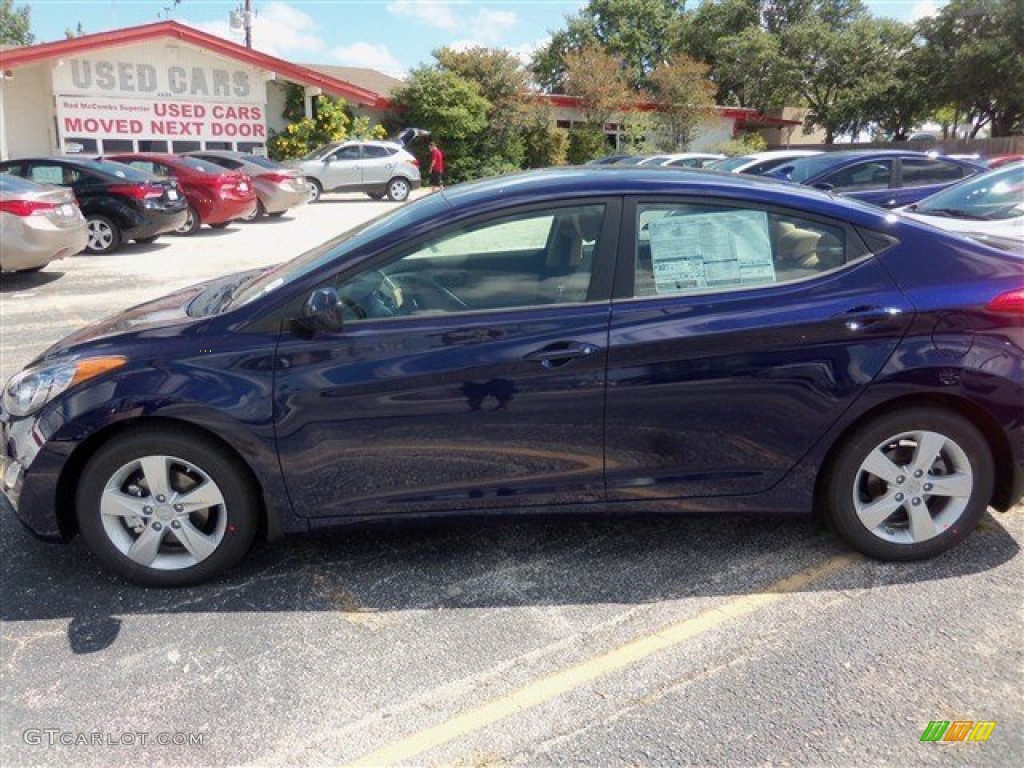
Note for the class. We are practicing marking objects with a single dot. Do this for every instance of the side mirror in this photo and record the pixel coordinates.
(322, 311)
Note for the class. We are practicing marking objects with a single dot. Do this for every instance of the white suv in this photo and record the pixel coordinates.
(378, 168)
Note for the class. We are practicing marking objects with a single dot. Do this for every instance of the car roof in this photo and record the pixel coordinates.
(599, 180)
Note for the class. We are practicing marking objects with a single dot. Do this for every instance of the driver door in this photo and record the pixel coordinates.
(469, 372)
(343, 168)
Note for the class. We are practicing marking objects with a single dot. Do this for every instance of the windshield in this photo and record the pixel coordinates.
(731, 163)
(264, 162)
(202, 166)
(321, 151)
(427, 209)
(990, 196)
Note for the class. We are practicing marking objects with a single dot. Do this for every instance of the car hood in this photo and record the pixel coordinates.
(163, 316)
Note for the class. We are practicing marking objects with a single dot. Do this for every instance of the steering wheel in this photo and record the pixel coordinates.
(426, 292)
(372, 294)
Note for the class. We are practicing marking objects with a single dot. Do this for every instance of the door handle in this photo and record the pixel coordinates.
(561, 352)
(861, 317)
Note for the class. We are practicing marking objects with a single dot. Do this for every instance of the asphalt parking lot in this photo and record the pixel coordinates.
(606, 642)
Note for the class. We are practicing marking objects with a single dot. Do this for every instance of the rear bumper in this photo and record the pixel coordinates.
(157, 222)
(275, 199)
(32, 241)
(228, 210)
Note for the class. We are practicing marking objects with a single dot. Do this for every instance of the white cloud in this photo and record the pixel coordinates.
(922, 9)
(368, 55)
(435, 14)
(489, 28)
(278, 29)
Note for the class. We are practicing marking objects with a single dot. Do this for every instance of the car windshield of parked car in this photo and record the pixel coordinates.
(336, 249)
(992, 196)
(264, 162)
(320, 152)
(730, 163)
(120, 170)
(202, 166)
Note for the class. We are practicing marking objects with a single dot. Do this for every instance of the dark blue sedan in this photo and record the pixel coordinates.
(888, 178)
(585, 339)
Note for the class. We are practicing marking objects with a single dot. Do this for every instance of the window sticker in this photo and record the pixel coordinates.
(711, 250)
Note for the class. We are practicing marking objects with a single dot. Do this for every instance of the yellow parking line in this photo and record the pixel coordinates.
(554, 685)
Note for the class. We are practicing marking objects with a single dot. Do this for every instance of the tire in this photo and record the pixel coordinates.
(890, 501)
(220, 225)
(258, 211)
(277, 214)
(192, 223)
(145, 240)
(376, 195)
(398, 189)
(316, 190)
(117, 508)
(104, 235)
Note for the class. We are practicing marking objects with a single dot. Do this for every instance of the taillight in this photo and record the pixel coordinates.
(26, 207)
(415, 162)
(137, 191)
(1011, 302)
(276, 178)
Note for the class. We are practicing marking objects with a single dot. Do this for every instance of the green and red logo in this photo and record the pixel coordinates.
(958, 730)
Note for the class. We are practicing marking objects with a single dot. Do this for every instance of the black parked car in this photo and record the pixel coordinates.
(119, 202)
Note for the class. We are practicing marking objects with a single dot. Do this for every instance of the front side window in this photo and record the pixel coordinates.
(859, 177)
(346, 153)
(530, 259)
(684, 249)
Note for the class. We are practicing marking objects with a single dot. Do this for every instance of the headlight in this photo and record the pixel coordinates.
(33, 388)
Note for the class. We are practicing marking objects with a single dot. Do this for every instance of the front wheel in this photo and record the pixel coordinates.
(399, 189)
(910, 484)
(191, 224)
(166, 508)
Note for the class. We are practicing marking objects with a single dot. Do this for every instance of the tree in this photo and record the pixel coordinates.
(594, 77)
(686, 98)
(639, 33)
(332, 121)
(15, 24)
(502, 81)
(453, 109)
(752, 70)
(901, 95)
(705, 32)
(973, 52)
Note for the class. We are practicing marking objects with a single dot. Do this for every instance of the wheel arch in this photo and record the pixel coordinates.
(67, 483)
(1002, 456)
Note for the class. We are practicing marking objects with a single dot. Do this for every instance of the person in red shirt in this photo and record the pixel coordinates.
(436, 169)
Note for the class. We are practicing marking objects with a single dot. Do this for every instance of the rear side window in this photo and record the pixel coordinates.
(223, 162)
(373, 151)
(53, 174)
(686, 249)
(924, 170)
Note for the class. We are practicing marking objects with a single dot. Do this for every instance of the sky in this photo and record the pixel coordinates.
(391, 36)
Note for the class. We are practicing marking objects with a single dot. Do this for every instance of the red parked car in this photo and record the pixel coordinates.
(216, 196)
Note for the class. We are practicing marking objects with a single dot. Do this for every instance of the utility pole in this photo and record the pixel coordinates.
(248, 23)
(241, 18)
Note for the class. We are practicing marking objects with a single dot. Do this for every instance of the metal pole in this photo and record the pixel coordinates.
(248, 23)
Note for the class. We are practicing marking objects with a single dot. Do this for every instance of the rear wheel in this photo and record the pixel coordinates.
(910, 484)
(166, 509)
(315, 190)
(144, 240)
(399, 189)
(104, 235)
(276, 214)
(191, 224)
(220, 225)
(256, 212)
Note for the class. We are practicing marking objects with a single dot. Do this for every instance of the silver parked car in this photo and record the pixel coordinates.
(278, 188)
(39, 223)
(378, 168)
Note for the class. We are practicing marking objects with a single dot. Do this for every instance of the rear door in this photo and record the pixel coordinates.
(738, 335)
(378, 164)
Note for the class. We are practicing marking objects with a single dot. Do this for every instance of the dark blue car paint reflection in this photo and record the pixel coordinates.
(731, 399)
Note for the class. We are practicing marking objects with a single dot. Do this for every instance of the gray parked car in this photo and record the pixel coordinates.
(378, 168)
(279, 189)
